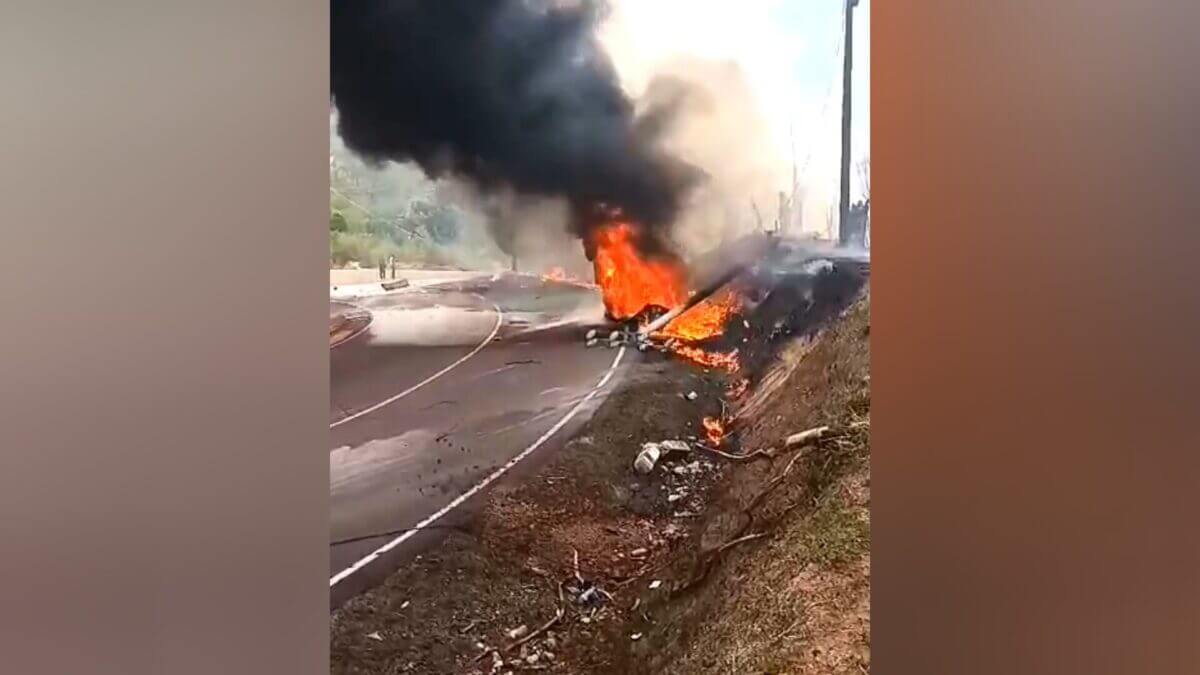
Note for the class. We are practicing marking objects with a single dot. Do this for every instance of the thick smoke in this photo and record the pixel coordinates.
(512, 95)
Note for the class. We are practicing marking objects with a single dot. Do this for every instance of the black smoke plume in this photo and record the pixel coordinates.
(510, 94)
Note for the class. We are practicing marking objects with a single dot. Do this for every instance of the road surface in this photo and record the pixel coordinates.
(449, 384)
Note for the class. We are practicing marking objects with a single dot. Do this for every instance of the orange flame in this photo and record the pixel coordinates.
(707, 319)
(714, 430)
(630, 283)
(725, 361)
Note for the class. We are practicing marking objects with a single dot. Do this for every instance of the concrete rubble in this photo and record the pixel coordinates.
(647, 458)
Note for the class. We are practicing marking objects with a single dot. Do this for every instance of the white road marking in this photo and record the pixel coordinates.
(431, 378)
(360, 331)
(458, 501)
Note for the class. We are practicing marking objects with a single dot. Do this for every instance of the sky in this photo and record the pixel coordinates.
(791, 53)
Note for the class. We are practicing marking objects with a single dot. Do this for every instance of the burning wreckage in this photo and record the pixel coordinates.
(759, 291)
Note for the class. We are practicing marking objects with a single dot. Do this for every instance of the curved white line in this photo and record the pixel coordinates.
(371, 557)
(431, 378)
(360, 331)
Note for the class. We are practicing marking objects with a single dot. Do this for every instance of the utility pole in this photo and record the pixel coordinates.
(844, 212)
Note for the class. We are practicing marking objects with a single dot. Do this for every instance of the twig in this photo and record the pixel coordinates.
(787, 630)
(558, 615)
(773, 484)
(739, 540)
(768, 452)
(630, 580)
(577, 576)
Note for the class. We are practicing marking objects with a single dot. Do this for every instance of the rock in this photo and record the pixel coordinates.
(635, 637)
(692, 396)
(518, 632)
(549, 656)
(674, 498)
(532, 659)
(375, 636)
(551, 643)
(647, 458)
(674, 446)
(638, 552)
(655, 584)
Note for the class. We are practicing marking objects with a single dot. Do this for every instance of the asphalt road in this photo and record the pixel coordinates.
(447, 385)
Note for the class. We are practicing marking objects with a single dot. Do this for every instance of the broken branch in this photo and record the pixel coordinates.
(558, 615)
(768, 452)
(805, 436)
(739, 540)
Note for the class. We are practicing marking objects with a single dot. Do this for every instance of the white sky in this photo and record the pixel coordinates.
(790, 51)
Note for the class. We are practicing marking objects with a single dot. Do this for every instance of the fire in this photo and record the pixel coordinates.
(725, 361)
(707, 319)
(630, 283)
(714, 430)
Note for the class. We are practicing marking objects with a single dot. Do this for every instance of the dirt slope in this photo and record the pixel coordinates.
(658, 586)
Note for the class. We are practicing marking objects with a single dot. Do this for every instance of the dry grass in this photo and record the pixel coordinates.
(800, 601)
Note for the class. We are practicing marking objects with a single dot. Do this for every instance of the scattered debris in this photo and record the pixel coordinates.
(375, 636)
(674, 446)
(518, 632)
(635, 637)
(692, 396)
(805, 436)
(655, 584)
(638, 553)
(647, 458)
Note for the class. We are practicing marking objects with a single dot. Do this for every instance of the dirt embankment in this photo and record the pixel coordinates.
(706, 564)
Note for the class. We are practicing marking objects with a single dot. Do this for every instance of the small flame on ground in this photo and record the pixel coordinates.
(724, 361)
(714, 430)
